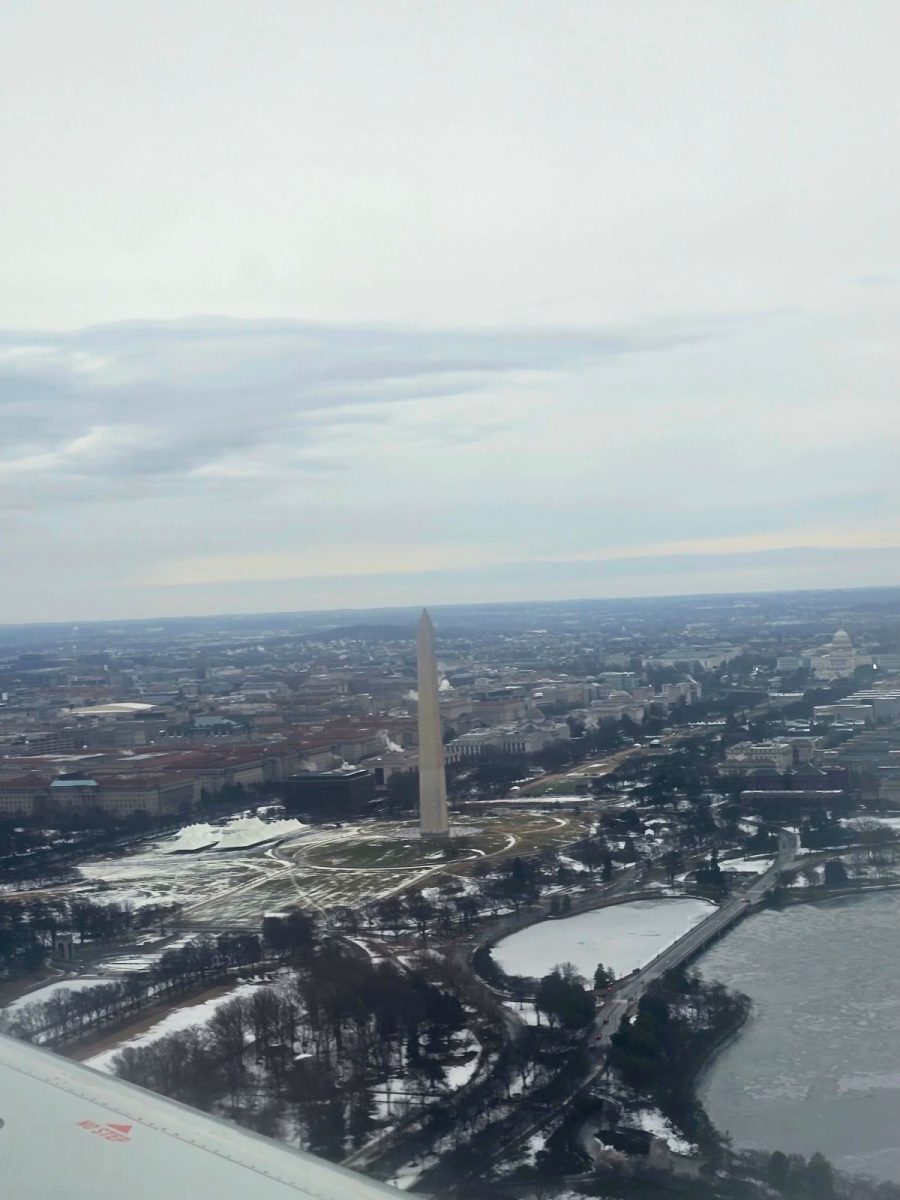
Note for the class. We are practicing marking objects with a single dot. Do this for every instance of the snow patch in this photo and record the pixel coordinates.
(746, 866)
(652, 1121)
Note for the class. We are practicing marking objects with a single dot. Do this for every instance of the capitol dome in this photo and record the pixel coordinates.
(842, 639)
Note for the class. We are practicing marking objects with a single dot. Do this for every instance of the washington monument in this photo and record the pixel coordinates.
(432, 781)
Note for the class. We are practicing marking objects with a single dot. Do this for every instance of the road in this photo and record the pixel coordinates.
(624, 997)
(628, 992)
(581, 772)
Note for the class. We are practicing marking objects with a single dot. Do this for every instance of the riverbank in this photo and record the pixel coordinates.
(681, 1023)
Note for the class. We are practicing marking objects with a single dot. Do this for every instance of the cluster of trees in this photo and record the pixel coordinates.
(29, 851)
(822, 829)
(493, 887)
(792, 1175)
(28, 927)
(563, 997)
(604, 978)
(710, 877)
(69, 1012)
(879, 841)
(545, 1065)
(595, 854)
(679, 1019)
(308, 1058)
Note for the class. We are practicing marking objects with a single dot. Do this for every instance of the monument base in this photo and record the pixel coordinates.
(455, 831)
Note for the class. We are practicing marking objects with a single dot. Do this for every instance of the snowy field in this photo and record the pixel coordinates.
(217, 889)
(153, 876)
(622, 936)
(273, 865)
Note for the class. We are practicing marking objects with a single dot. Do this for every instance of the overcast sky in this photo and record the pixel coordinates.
(312, 303)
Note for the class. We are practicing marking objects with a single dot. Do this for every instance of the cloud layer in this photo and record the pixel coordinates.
(211, 465)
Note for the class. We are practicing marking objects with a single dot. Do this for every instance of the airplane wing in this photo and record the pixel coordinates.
(70, 1133)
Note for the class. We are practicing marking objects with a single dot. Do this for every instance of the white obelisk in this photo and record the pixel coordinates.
(432, 780)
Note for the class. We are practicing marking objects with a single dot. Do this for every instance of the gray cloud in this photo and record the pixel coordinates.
(157, 400)
(190, 466)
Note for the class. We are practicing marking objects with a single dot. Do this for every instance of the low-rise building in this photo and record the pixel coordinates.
(23, 795)
(340, 793)
(760, 801)
(746, 756)
(529, 738)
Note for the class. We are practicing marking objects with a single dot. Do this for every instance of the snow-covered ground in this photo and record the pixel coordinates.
(525, 1010)
(653, 1121)
(409, 1174)
(459, 1074)
(622, 936)
(533, 1147)
(746, 866)
(187, 1017)
(39, 995)
(572, 863)
(156, 874)
(123, 964)
(663, 888)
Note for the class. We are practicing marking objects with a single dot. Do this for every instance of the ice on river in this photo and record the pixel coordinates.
(622, 936)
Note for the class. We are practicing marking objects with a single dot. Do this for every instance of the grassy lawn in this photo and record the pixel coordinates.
(350, 870)
(560, 787)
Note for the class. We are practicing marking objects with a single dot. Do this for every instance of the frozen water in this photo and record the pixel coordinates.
(622, 936)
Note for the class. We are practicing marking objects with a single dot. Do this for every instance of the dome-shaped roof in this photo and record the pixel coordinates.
(620, 696)
(841, 638)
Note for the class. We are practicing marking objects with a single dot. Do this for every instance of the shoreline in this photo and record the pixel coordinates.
(709, 1058)
(695, 1074)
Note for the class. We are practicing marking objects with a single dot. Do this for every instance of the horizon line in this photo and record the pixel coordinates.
(397, 608)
